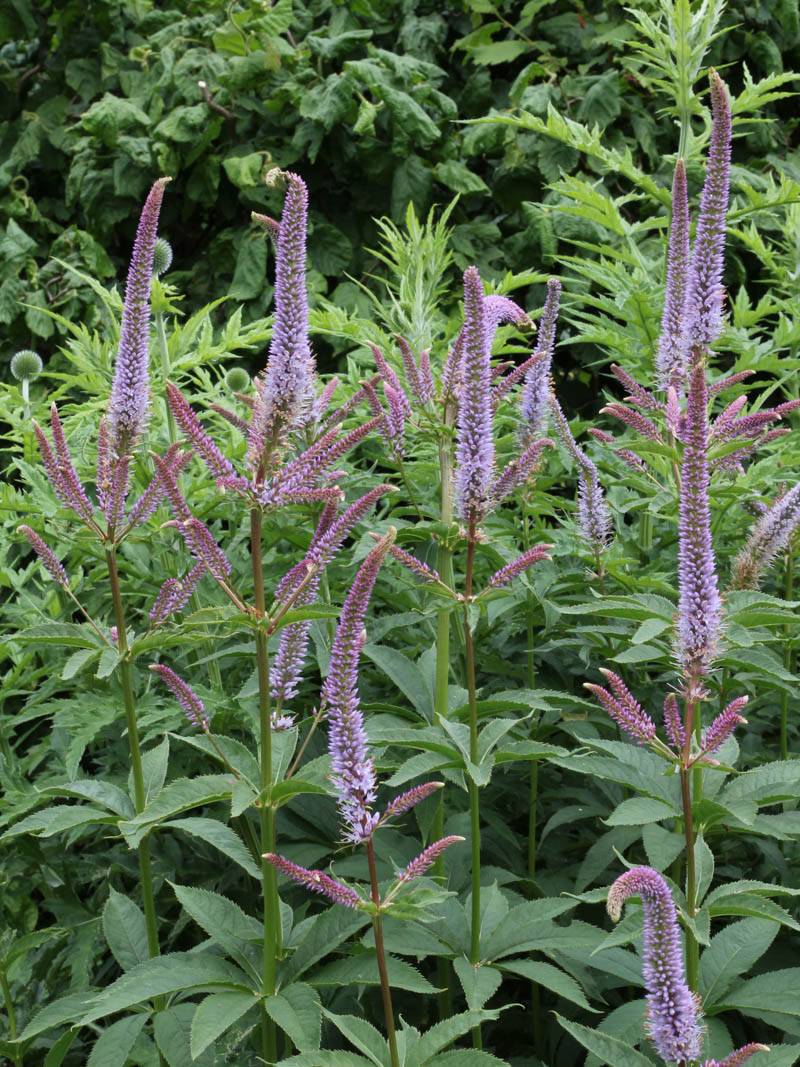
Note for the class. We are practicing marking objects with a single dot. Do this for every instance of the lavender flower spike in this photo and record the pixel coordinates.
(408, 800)
(516, 567)
(594, 519)
(536, 392)
(189, 700)
(286, 391)
(673, 1019)
(673, 723)
(129, 391)
(670, 357)
(699, 606)
(737, 1058)
(316, 881)
(352, 767)
(623, 708)
(770, 535)
(705, 295)
(427, 858)
(723, 725)
(475, 444)
(48, 558)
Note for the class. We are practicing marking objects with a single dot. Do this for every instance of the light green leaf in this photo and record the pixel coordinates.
(479, 983)
(297, 1010)
(65, 1009)
(223, 921)
(216, 1014)
(112, 1047)
(125, 930)
(773, 996)
(327, 931)
(732, 952)
(636, 811)
(363, 1035)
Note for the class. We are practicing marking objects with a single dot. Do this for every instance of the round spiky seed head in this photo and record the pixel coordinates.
(26, 365)
(162, 257)
(237, 379)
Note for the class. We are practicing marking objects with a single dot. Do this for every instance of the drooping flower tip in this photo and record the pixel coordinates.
(737, 1058)
(48, 558)
(129, 402)
(427, 858)
(673, 1018)
(191, 703)
(316, 881)
(408, 800)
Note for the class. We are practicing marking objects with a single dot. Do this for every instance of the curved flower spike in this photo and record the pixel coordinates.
(51, 563)
(673, 723)
(517, 566)
(673, 1015)
(737, 1058)
(316, 881)
(623, 708)
(723, 725)
(187, 698)
(770, 535)
(408, 800)
(427, 858)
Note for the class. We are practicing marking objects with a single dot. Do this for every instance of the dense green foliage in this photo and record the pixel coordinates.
(363, 99)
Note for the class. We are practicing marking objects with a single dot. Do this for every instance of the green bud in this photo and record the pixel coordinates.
(162, 257)
(26, 365)
(237, 379)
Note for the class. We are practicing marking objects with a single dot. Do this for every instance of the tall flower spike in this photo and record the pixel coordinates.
(65, 478)
(475, 443)
(174, 595)
(353, 771)
(623, 708)
(427, 858)
(48, 558)
(673, 1016)
(699, 606)
(671, 367)
(517, 472)
(130, 390)
(316, 881)
(191, 703)
(535, 394)
(594, 519)
(705, 295)
(737, 1058)
(286, 393)
(770, 535)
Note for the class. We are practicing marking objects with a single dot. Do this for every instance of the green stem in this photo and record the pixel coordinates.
(692, 947)
(682, 26)
(269, 889)
(474, 795)
(788, 654)
(380, 952)
(12, 1017)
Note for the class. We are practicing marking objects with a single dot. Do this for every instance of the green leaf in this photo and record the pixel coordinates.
(58, 819)
(216, 1014)
(563, 985)
(297, 1010)
(523, 925)
(55, 1057)
(461, 1057)
(636, 811)
(363, 970)
(442, 1034)
(325, 933)
(608, 1049)
(405, 674)
(65, 1009)
(223, 921)
(704, 866)
(63, 634)
(125, 930)
(178, 796)
(172, 1029)
(154, 770)
(363, 1035)
(732, 952)
(77, 661)
(283, 792)
(478, 981)
(773, 997)
(246, 171)
(114, 1044)
(172, 973)
(219, 836)
(459, 178)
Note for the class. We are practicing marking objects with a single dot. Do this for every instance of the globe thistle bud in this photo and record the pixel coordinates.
(237, 380)
(162, 256)
(26, 365)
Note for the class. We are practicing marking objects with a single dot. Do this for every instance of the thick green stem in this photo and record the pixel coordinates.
(269, 889)
(474, 795)
(788, 654)
(692, 947)
(380, 952)
(683, 19)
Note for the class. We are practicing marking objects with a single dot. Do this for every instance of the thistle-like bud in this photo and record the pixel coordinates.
(162, 256)
(237, 380)
(671, 355)
(48, 558)
(316, 881)
(189, 700)
(623, 708)
(427, 858)
(26, 365)
(770, 535)
(673, 1015)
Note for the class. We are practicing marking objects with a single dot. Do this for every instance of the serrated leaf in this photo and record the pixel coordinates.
(125, 930)
(219, 836)
(732, 952)
(609, 1050)
(479, 982)
(550, 977)
(296, 1009)
(216, 1014)
(112, 1047)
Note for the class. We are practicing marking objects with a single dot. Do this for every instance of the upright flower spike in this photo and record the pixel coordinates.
(129, 402)
(594, 519)
(623, 708)
(475, 443)
(51, 563)
(353, 770)
(427, 858)
(705, 295)
(699, 606)
(671, 367)
(536, 391)
(191, 703)
(408, 800)
(673, 1016)
(517, 566)
(673, 723)
(723, 725)
(285, 392)
(770, 535)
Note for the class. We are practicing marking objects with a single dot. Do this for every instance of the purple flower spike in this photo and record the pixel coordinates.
(48, 558)
(103, 478)
(594, 519)
(723, 725)
(427, 858)
(623, 708)
(673, 1014)
(189, 700)
(60, 469)
(673, 723)
(500, 309)
(699, 607)
(316, 881)
(770, 535)
(416, 566)
(535, 395)
(705, 295)
(737, 1058)
(638, 422)
(352, 767)
(408, 800)
(130, 391)
(426, 384)
(671, 356)
(410, 367)
(475, 444)
(519, 470)
(201, 443)
(174, 460)
(516, 567)
(285, 391)
(200, 542)
(637, 394)
(174, 595)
